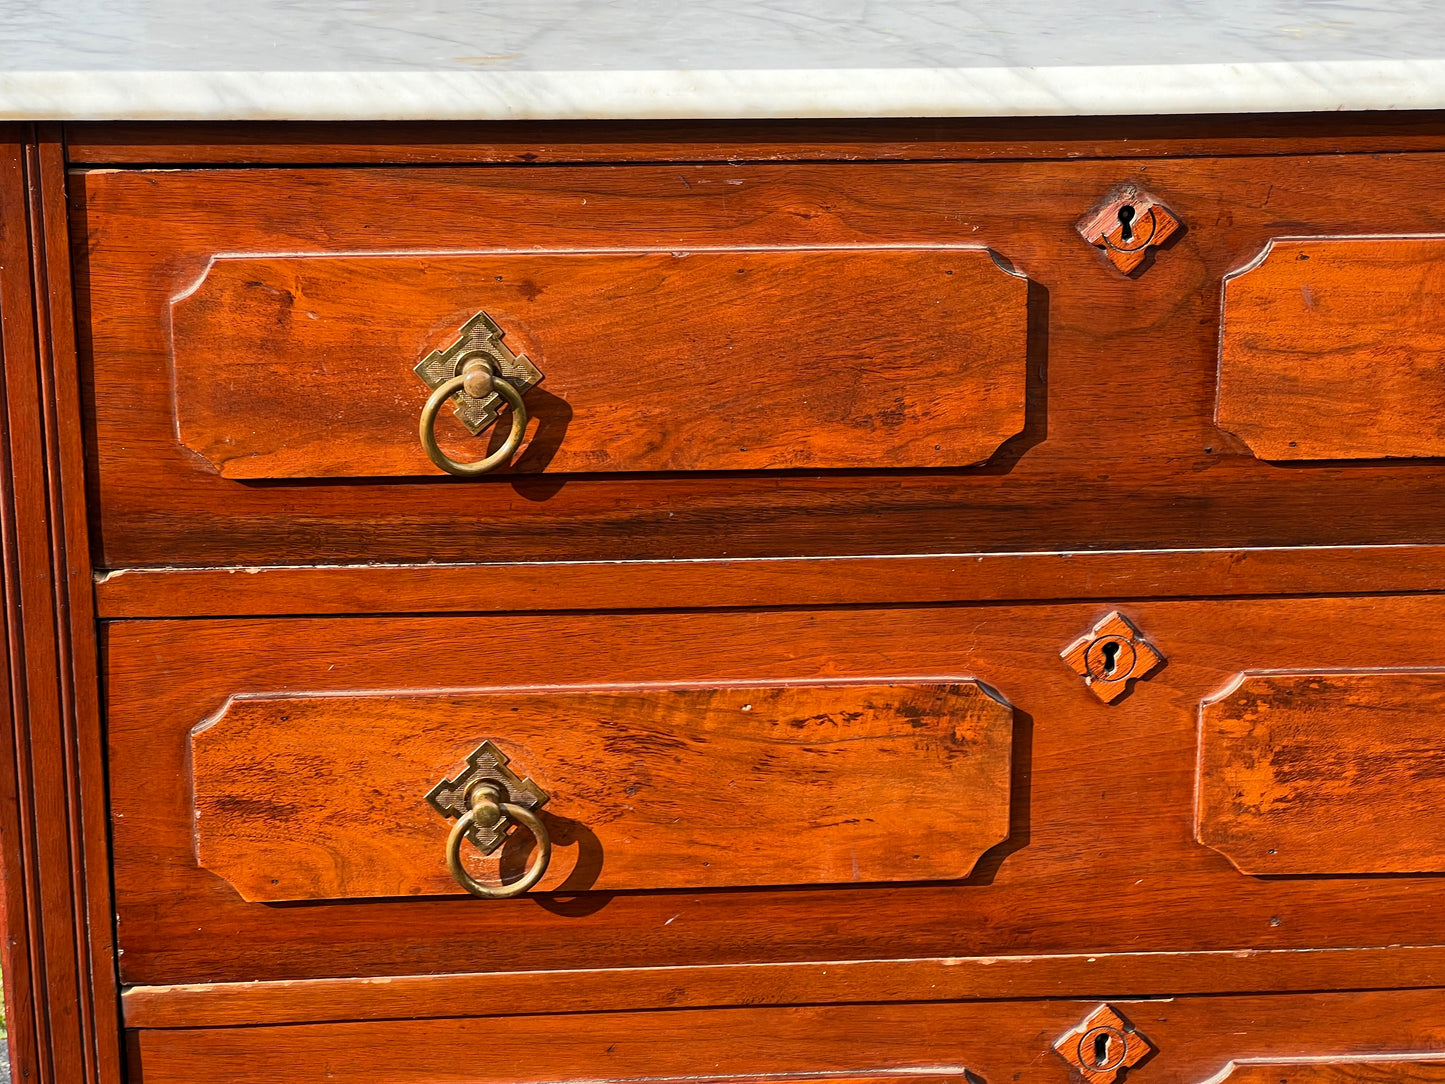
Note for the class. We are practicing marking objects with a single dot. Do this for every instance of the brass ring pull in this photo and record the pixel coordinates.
(486, 803)
(477, 378)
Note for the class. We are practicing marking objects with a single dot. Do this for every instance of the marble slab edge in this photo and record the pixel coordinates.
(736, 94)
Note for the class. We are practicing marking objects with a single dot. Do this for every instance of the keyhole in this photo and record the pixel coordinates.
(1101, 1050)
(1126, 216)
(1111, 663)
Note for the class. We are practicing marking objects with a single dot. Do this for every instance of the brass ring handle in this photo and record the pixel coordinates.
(486, 799)
(476, 378)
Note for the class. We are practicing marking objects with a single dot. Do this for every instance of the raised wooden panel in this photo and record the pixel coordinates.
(301, 367)
(323, 797)
(1334, 348)
(1318, 772)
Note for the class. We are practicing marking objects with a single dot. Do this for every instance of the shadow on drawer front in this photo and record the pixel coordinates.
(733, 359)
(329, 797)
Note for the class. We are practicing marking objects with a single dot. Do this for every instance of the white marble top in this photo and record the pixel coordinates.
(643, 59)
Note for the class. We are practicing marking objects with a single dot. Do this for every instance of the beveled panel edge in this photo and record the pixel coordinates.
(1078, 976)
(295, 590)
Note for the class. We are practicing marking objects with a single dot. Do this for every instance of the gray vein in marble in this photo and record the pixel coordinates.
(655, 35)
(572, 59)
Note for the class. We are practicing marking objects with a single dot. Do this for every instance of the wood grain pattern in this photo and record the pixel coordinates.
(761, 581)
(950, 978)
(1325, 772)
(301, 367)
(1101, 794)
(896, 139)
(61, 996)
(1122, 373)
(321, 797)
(1100, 879)
(1332, 349)
(995, 1041)
(1380, 1069)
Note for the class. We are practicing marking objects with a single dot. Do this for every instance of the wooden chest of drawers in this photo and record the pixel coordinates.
(959, 602)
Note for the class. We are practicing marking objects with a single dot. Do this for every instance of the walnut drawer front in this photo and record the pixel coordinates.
(1038, 783)
(1379, 1037)
(757, 359)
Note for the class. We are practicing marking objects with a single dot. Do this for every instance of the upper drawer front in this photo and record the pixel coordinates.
(745, 360)
(302, 367)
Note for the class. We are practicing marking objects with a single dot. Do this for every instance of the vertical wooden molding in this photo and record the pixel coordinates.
(59, 959)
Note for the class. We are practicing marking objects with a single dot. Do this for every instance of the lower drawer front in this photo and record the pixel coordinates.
(1304, 1039)
(753, 787)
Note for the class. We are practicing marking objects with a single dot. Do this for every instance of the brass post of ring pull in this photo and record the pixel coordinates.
(487, 798)
(477, 373)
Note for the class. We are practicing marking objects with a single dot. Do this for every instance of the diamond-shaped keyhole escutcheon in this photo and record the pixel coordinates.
(1112, 654)
(1103, 1046)
(1126, 225)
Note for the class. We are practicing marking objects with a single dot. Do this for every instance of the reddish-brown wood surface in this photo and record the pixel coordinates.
(1195, 1039)
(1376, 1069)
(1102, 794)
(301, 367)
(1325, 772)
(1119, 449)
(761, 581)
(1103, 975)
(1333, 349)
(61, 1003)
(178, 143)
(322, 797)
